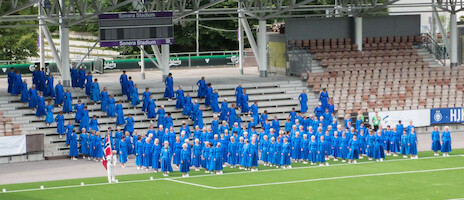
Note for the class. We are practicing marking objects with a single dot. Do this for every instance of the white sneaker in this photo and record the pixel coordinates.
(405, 156)
(138, 168)
(335, 159)
(349, 162)
(361, 157)
(395, 155)
(355, 161)
(343, 160)
(381, 160)
(277, 166)
(61, 136)
(305, 162)
(290, 166)
(326, 164)
(377, 160)
(370, 159)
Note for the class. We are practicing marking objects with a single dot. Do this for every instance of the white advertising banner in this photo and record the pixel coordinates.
(12, 145)
(419, 118)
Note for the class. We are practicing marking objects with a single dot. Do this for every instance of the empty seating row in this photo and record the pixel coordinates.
(359, 54)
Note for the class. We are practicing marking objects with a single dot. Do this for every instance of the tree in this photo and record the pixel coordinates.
(18, 43)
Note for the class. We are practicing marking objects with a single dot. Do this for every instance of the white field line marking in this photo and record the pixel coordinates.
(265, 170)
(194, 184)
(341, 177)
(305, 167)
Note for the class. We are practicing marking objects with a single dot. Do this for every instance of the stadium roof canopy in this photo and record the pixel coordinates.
(72, 12)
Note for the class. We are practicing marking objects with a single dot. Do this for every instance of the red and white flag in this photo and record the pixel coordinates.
(106, 151)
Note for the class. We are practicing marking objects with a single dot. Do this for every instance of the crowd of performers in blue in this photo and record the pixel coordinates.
(309, 139)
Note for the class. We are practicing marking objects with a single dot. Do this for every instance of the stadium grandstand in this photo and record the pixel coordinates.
(203, 99)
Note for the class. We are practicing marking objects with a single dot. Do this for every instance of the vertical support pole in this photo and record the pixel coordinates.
(64, 48)
(441, 28)
(165, 60)
(198, 35)
(142, 62)
(41, 39)
(240, 39)
(433, 28)
(454, 40)
(262, 44)
(358, 32)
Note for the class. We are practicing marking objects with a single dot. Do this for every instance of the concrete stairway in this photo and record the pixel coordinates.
(278, 98)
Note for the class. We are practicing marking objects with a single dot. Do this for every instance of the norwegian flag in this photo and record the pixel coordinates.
(107, 151)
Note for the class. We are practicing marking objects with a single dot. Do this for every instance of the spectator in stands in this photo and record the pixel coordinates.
(436, 146)
(169, 83)
(201, 88)
(59, 94)
(324, 99)
(446, 142)
(376, 121)
(303, 98)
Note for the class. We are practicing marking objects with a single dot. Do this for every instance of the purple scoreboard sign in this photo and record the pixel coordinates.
(134, 29)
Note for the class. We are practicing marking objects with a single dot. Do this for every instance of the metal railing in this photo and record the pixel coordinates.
(434, 48)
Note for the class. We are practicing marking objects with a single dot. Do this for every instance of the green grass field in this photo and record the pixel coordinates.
(396, 178)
